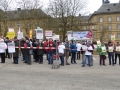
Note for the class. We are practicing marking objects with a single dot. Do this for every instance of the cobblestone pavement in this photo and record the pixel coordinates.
(72, 77)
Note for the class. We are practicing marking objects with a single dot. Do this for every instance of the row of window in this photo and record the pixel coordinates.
(109, 35)
(109, 27)
(110, 19)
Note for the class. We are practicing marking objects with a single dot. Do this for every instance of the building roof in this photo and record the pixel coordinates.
(108, 8)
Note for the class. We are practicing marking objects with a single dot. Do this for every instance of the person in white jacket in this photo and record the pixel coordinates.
(3, 48)
(61, 52)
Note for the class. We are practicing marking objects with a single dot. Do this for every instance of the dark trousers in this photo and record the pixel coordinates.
(40, 58)
(102, 59)
(62, 60)
(7, 54)
(78, 55)
(28, 58)
(15, 60)
(2, 57)
(73, 57)
(111, 56)
(117, 55)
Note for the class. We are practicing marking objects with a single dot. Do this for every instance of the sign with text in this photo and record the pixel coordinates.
(56, 37)
(2, 47)
(113, 37)
(10, 29)
(10, 35)
(69, 35)
(11, 47)
(48, 33)
(98, 43)
(82, 35)
(39, 33)
(20, 35)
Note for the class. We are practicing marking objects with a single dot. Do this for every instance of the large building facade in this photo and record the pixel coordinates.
(106, 21)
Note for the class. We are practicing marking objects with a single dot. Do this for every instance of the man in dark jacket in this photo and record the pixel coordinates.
(16, 54)
(67, 51)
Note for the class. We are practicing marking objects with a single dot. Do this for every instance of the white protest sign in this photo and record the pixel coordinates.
(10, 29)
(49, 33)
(56, 37)
(39, 33)
(11, 47)
(20, 35)
(2, 47)
(69, 35)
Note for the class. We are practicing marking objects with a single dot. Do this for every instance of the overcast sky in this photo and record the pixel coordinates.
(93, 5)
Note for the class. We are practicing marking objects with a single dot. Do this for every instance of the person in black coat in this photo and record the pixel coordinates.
(16, 54)
(40, 53)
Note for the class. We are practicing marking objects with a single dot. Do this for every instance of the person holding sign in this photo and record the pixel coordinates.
(110, 50)
(3, 48)
(117, 53)
(102, 52)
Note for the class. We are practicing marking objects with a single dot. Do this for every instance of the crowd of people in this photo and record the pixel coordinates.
(59, 50)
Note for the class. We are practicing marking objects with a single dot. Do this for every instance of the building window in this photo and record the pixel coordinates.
(109, 19)
(109, 36)
(118, 35)
(118, 26)
(109, 27)
(93, 27)
(84, 28)
(101, 19)
(117, 18)
(101, 27)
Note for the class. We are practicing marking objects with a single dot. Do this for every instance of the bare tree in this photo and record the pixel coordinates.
(65, 11)
(5, 5)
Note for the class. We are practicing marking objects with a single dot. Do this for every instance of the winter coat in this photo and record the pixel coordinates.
(40, 51)
(73, 47)
(16, 54)
(99, 49)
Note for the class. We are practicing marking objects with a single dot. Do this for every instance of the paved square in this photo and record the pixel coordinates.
(71, 77)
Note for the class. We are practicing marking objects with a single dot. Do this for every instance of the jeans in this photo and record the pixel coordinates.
(50, 57)
(62, 60)
(89, 59)
(15, 60)
(73, 57)
(111, 55)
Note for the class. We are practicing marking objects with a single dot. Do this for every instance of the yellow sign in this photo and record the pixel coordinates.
(10, 35)
(30, 34)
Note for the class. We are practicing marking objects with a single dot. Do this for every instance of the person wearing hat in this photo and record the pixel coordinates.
(2, 50)
(88, 54)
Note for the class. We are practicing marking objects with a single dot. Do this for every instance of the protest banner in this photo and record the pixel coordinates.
(69, 35)
(10, 35)
(49, 33)
(56, 37)
(20, 35)
(2, 47)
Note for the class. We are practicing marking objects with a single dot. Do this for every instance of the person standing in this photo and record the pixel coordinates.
(83, 48)
(73, 52)
(50, 51)
(61, 49)
(40, 53)
(67, 51)
(78, 45)
(102, 53)
(2, 50)
(88, 54)
(117, 53)
(16, 54)
(110, 50)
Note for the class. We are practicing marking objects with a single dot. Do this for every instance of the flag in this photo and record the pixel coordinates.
(89, 35)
